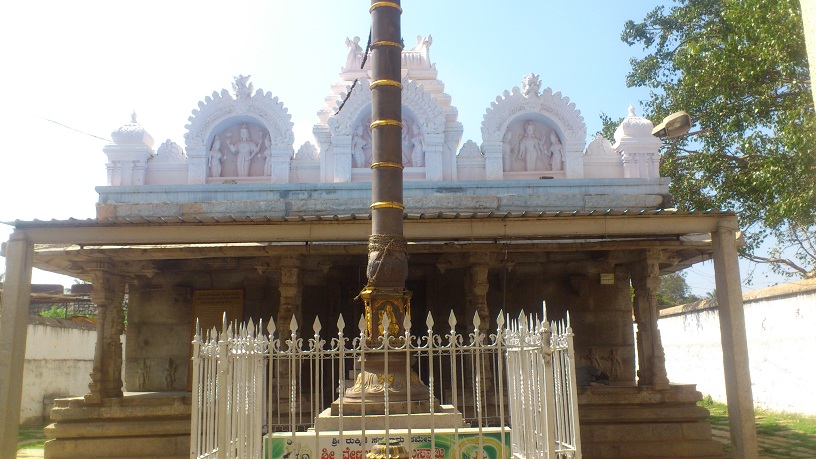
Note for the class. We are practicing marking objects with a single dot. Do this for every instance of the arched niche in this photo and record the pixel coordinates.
(222, 115)
(349, 152)
(551, 113)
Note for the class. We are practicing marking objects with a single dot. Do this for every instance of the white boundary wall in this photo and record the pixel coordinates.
(58, 362)
(780, 324)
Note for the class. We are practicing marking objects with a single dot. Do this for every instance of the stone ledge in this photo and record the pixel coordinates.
(117, 447)
(133, 405)
(629, 395)
(119, 428)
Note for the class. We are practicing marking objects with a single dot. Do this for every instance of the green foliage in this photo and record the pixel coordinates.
(674, 290)
(58, 311)
(609, 126)
(55, 312)
(740, 69)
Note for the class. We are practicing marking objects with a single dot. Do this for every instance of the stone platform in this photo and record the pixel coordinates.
(642, 422)
(447, 417)
(141, 424)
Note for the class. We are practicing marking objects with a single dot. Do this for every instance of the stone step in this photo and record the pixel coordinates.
(659, 449)
(170, 446)
(638, 432)
(596, 414)
(118, 428)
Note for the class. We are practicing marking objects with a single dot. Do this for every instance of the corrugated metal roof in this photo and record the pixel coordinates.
(261, 219)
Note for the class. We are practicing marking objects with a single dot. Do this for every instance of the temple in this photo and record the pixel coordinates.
(235, 218)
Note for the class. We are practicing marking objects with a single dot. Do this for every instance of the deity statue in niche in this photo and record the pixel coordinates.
(142, 374)
(358, 144)
(215, 158)
(268, 156)
(556, 153)
(170, 374)
(507, 151)
(530, 148)
(246, 149)
(417, 145)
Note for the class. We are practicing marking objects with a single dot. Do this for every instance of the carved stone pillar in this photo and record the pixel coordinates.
(477, 290)
(629, 165)
(477, 286)
(651, 358)
(108, 295)
(290, 296)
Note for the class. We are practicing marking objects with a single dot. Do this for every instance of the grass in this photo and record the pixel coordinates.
(778, 434)
(31, 437)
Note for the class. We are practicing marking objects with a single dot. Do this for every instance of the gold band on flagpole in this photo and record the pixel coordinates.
(387, 205)
(386, 164)
(384, 4)
(378, 123)
(386, 43)
(394, 83)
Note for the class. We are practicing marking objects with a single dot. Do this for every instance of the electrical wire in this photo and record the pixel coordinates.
(74, 129)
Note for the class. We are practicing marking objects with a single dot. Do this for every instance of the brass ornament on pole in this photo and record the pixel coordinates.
(392, 449)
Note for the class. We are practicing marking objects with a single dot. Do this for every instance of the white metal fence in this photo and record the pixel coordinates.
(247, 381)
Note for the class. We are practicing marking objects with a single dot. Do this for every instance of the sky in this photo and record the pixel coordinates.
(73, 72)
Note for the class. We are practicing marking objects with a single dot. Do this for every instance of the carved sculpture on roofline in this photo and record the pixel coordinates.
(355, 54)
(129, 154)
(527, 133)
(269, 130)
(524, 128)
(345, 141)
(242, 87)
(638, 148)
(530, 85)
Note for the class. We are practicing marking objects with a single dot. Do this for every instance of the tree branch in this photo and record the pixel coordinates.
(781, 261)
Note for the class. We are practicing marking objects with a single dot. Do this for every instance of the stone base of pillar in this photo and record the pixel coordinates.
(140, 424)
(401, 390)
(640, 422)
(444, 417)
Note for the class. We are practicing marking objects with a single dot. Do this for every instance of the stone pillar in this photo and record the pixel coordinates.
(108, 295)
(477, 286)
(629, 166)
(13, 328)
(734, 342)
(494, 169)
(574, 159)
(281, 163)
(477, 291)
(290, 297)
(434, 145)
(651, 358)
(341, 148)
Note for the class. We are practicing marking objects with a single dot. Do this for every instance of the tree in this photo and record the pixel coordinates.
(608, 126)
(674, 290)
(740, 69)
